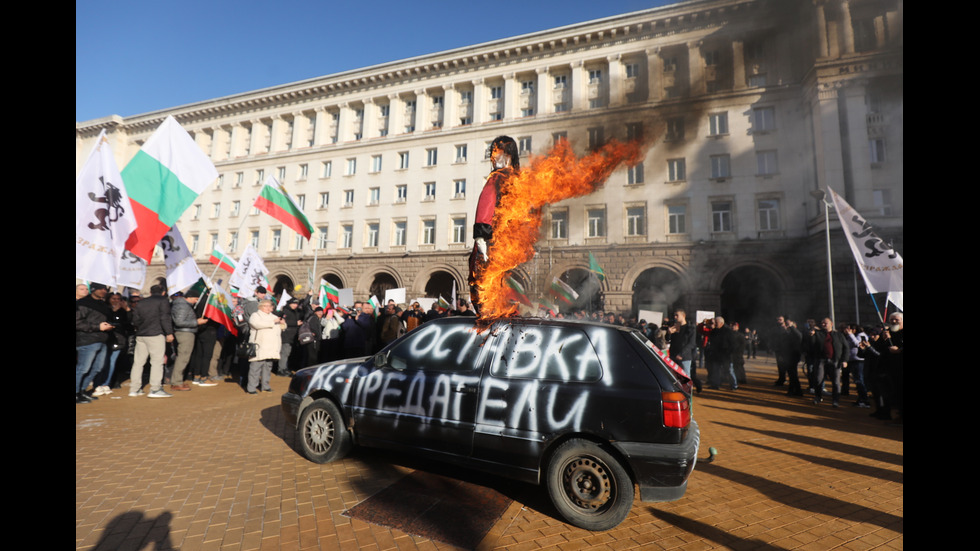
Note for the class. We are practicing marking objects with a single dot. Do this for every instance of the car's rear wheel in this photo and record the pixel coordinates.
(322, 432)
(588, 486)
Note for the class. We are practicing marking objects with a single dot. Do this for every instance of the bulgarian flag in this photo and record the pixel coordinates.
(222, 260)
(328, 293)
(443, 303)
(565, 292)
(276, 202)
(162, 180)
(519, 294)
(218, 308)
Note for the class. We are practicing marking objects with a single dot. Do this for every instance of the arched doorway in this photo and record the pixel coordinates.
(283, 283)
(334, 280)
(658, 290)
(382, 282)
(441, 284)
(751, 296)
(586, 284)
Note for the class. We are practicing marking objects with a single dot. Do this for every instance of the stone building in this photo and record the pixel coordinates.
(749, 106)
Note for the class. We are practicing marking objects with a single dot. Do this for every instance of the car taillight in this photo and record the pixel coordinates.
(677, 410)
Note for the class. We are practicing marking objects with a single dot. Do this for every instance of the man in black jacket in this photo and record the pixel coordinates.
(719, 350)
(92, 329)
(154, 329)
(832, 352)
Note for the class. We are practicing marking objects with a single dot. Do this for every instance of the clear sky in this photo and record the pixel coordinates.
(132, 57)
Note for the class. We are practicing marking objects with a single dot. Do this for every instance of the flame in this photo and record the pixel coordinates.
(556, 176)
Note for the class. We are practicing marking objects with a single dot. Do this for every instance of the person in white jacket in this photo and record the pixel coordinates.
(266, 334)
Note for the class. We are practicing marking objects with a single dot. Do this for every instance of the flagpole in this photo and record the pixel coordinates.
(821, 195)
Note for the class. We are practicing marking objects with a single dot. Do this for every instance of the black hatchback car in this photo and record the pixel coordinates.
(588, 410)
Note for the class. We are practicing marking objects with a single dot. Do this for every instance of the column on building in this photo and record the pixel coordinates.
(321, 123)
(847, 27)
(510, 99)
(345, 132)
(860, 193)
(578, 82)
(479, 101)
(280, 129)
(450, 106)
(828, 150)
(616, 79)
(301, 126)
(236, 140)
(396, 115)
(695, 68)
(369, 119)
(738, 65)
(823, 50)
(655, 71)
(543, 91)
(423, 110)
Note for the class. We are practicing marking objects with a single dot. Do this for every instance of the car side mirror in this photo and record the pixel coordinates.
(381, 359)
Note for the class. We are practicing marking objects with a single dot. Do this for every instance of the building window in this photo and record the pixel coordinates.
(768, 214)
(348, 198)
(347, 236)
(596, 138)
(528, 112)
(275, 240)
(459, 189)
(459, 230)
(233, 241)
(281, 174)
(757, 80)
(676, 170)
(430, 191)
(596, 222)
(259, 177)
(428, 232)
(721, 216)
(634, 174)
(595, 76)
(636, 221)
(461, 153)
(304, 171)
(877, 147)
(883, 201)
(634, 131)
(561, 82)
(372, 234)
(632, 70)
(322, 237)
(351, 167)
(675, 129)
(767, 163)
(324, 199)
(670, 64)
(376, 163)
(326, 169)
(401, 193)
(763, 119)
(558, 136)
(403, 160)
(196, 212)
(301, 201)
(527, 87)
(214, 241)
(524, 146)
(298, 240)
(220, 182)
(194, 243)
(718, 124)
(431, 157)
(496, 92)
(676, 219)
(561, 107)
(398, 234)
(239, 179)
(254, 239)
(236, 208)
(711, 58)
(720, 166)
(559, 224)
(374, 196)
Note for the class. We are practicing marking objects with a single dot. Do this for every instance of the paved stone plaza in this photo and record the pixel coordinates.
(217, 469)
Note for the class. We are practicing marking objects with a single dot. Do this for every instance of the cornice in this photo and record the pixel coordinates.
(656, 23)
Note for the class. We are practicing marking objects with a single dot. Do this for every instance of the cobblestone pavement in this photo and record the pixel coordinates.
(216, 469)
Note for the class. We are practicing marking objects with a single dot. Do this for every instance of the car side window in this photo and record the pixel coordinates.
(439, 347)
(547, 353)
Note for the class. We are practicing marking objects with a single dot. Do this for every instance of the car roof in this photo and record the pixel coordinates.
(545, 322)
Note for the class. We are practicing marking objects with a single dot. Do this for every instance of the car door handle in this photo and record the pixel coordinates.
(464, 389)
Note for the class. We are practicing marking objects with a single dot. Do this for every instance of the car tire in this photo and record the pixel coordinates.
(322, 432)
(588, 486)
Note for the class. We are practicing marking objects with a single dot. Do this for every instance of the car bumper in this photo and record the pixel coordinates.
(662, 470)
(290, 407)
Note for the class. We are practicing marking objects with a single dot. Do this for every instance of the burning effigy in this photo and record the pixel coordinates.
(550, 178)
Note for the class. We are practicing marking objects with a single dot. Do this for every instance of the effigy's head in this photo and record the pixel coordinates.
(503, 153)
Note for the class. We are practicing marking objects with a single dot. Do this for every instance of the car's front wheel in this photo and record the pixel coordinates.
(588, 486)
(322, 432)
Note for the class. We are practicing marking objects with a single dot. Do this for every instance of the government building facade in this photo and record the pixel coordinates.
(748, 107)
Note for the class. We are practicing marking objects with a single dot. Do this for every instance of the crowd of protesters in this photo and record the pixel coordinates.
(117, 336)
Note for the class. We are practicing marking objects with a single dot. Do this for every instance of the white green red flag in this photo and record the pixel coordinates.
(275, 201)
(219, 309)
(443, 303)
(328, 293)
(220, 259)
(377, 305)
(103, 219)
(565, 292)
(518, 291)
(163, 179)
